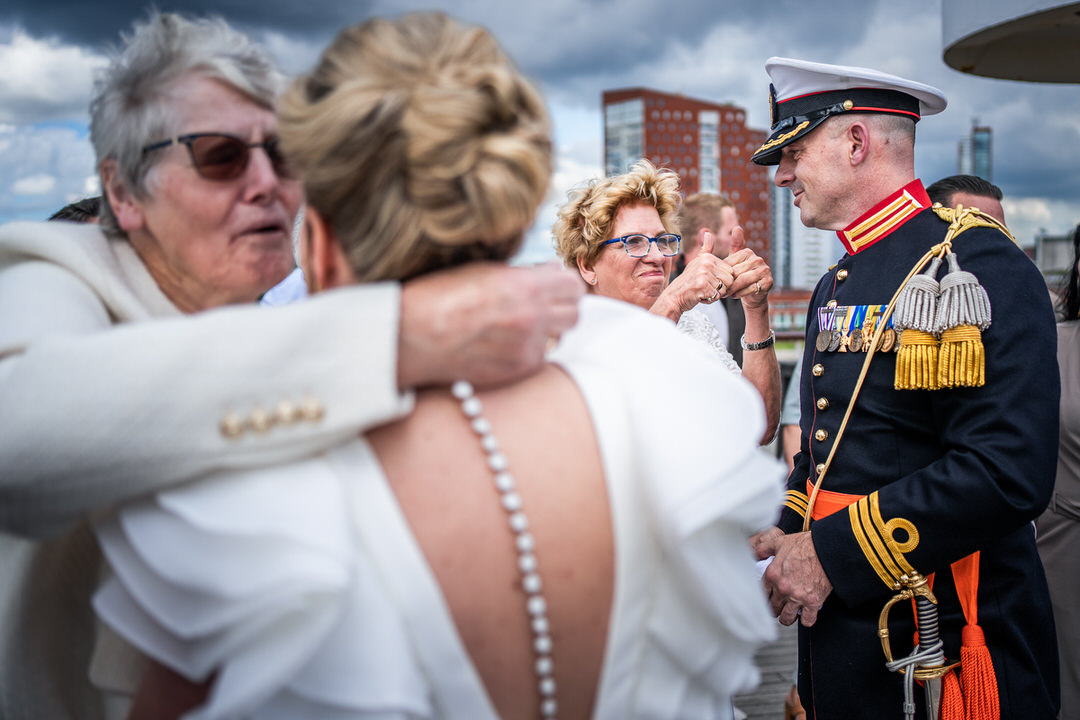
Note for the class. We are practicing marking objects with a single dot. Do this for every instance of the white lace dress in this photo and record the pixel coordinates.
(304, 589)
(697, 325)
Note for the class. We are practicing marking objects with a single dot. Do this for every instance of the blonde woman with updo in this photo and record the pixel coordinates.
(621, 234)
(546, 549)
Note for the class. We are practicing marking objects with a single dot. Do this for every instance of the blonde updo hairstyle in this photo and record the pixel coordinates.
(587, 218)
(420, 143)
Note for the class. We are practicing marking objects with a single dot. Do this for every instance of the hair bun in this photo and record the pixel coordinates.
(421, 143)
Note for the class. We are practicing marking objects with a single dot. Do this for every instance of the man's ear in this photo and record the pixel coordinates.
(587, 272)
(858, 137)
(125, 207)
(324, 260)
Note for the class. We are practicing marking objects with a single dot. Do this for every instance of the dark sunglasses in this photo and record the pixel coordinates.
(217, 156)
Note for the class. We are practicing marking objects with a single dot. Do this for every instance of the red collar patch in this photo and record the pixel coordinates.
(886, 216)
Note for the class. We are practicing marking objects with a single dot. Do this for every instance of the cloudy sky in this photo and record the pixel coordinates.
(575, 49)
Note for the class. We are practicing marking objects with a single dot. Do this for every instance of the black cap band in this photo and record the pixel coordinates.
(797, 116)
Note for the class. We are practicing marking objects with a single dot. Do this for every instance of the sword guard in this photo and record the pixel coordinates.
(933, 673)
(910, 586)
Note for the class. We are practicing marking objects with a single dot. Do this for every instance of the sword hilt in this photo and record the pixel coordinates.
(927, 661)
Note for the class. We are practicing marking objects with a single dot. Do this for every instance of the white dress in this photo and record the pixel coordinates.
(303, 587)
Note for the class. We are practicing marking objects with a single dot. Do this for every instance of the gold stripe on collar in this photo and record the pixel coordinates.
(882, 222)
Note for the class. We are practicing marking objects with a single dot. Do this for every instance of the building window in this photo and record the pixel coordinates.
(709, 150)
(623, 135)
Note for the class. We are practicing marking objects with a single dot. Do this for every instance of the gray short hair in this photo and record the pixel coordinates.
(131, 104)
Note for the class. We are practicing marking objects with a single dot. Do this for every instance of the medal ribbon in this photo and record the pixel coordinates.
(825, 318)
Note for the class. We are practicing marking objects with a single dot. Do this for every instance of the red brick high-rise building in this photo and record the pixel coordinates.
(707, 144)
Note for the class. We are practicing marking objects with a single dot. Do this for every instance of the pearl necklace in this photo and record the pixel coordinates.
(535, 604)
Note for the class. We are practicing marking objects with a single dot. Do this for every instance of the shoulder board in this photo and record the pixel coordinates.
(962, 219)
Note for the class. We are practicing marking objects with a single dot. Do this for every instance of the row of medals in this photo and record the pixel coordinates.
(858, 340)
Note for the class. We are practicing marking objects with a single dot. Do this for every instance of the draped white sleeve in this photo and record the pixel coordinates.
(707, 486)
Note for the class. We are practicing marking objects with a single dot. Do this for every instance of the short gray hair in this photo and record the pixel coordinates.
(131, 104)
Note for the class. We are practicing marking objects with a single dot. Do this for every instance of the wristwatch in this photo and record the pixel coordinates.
(767, 342)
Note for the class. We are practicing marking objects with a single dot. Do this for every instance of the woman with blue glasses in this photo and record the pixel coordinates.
(621, 234)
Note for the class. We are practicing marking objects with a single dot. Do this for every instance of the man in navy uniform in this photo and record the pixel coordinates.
(948, 452)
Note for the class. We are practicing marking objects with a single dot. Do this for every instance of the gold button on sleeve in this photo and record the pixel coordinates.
(312, 410)
(286, 412)
(260, 420)
(231, 425)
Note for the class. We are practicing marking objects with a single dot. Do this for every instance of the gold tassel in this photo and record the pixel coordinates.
(961, 359)
(917, 361)
(962, 313)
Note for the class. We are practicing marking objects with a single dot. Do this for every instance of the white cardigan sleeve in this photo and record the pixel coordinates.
(100, 405)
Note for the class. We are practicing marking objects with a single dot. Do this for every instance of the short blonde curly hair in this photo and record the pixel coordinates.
(421, 144)
(587, 218)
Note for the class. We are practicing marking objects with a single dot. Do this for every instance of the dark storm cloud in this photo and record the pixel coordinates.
(578, 48)
(99, 24)
(560, 41)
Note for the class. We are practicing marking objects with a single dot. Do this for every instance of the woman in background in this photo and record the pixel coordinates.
(542, 549)
(1058, 529)
(621, 234)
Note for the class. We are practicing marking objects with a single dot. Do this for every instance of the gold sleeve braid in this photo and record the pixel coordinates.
(797, 501)
(877, 539)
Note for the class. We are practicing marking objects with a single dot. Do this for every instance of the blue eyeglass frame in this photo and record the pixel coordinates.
(678, 242)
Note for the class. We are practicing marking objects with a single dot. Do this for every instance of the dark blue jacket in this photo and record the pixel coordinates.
(947, 472)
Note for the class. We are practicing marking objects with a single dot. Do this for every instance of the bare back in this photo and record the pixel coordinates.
(439, 474)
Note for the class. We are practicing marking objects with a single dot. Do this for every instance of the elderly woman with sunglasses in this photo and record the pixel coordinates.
(620, 234)
(100, 405)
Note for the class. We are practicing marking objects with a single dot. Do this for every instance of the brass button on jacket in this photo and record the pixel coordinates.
(818, 370)
(820, 468)
(821, 435)
(841, 275)
(822, 403)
